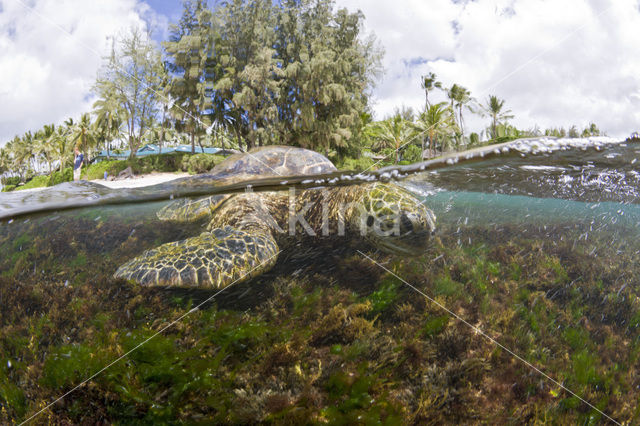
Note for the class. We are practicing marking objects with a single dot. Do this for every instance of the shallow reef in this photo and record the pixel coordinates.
(323, 339)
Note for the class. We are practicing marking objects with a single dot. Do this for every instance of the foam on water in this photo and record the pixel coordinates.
(593, 169)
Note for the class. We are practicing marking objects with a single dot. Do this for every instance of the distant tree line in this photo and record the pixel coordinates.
(441, 126)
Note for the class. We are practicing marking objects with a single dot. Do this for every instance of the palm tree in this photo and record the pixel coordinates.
(436, 122)
(428, 83)
(391, 133)
(21, 153)
(38, 150)
(83, 135)
(27, 151)
(494, 109)
(9, 153)
(461, 98)
(224, 122)
(5, 163)
(62, 145)
(43, 148)
(108, 120)
(452, 93)
(69, 125)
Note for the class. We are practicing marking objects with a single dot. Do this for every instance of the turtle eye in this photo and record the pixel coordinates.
(370, 220)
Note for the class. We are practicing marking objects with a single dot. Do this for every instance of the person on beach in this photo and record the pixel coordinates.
(77, 164)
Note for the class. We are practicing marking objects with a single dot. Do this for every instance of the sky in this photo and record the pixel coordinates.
(555, 63)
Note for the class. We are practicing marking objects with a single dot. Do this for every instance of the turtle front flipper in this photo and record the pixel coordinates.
(187, 210)
(213, 259)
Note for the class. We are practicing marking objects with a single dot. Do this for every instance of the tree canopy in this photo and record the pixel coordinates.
(130, 77)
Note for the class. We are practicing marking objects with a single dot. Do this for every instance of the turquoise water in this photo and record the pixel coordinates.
(482, 208)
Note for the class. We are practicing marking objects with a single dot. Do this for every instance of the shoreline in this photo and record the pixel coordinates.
(141, 180)
(137, 181)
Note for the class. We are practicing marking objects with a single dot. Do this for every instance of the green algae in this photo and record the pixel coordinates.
(385, 296)
(435, 325)
(351, 346)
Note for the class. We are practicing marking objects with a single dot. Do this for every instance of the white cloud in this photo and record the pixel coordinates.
(49, 56)
(556, 63)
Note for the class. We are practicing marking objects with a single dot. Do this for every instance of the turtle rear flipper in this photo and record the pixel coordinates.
(213, 259)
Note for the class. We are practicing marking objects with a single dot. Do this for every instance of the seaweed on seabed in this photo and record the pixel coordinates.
(322, 349)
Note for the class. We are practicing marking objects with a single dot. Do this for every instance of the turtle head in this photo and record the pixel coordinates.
(395, 220)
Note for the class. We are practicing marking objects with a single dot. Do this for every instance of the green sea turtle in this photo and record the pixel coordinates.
(248, 230)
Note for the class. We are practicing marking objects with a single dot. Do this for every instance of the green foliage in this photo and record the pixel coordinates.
(445, 286)
(13, 180)
(385, 296)
(584, 368)
(80, 260)
(200, 163)
(133, 67)
(66, 175)
(112, 167)
(36, 182)
(189, 60)
(352, 401)
(238, 336)
(43, 180)
(474, 139)
(170, 162)
(429, 82)
(156, 163)
(11, 396)
(573, 132)
(515, 271)
(390, 134)
(70, 364)
(460, 97)
(556, 132)
(505, 130)
(303, 301)
(356, 164)
(388, 154)
(554, 264)
(436, 126)
(412, 154)
(435, 325)
(576, 338)
(154, 360)
(292, 72)
(494, 108)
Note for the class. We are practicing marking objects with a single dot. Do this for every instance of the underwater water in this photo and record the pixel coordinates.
(525, 307)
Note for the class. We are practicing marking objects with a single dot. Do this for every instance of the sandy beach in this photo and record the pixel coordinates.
(141, 180)
(134, 182)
